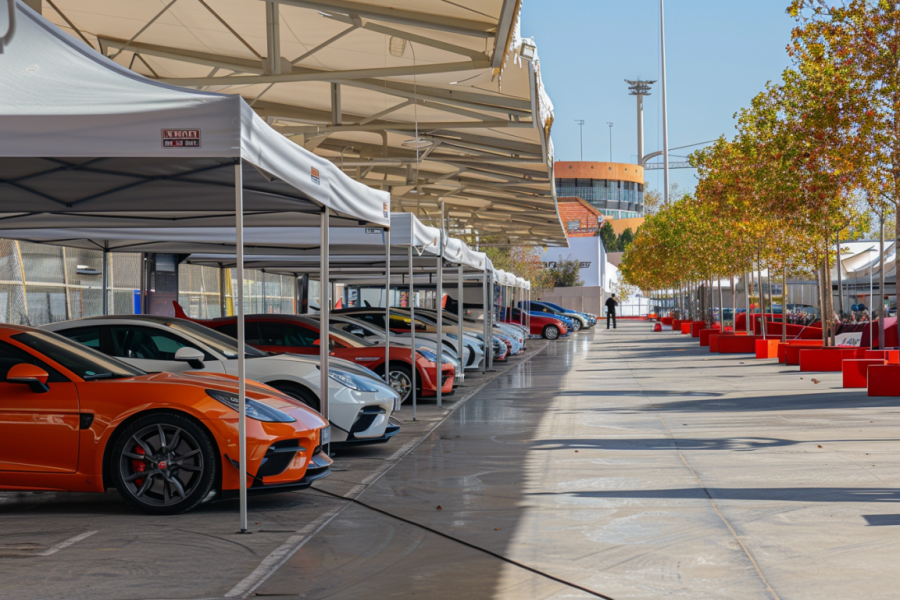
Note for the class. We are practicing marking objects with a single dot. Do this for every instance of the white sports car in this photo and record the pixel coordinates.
(360, 404)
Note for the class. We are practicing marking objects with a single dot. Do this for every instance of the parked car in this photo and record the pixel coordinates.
(549, 327)
(360, 406)
(473, 350)
(586, 319)
(74, 419)
(296, 334)
(401, 323)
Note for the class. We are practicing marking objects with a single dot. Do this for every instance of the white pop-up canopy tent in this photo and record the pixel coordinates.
(87, 143)
(354, 257)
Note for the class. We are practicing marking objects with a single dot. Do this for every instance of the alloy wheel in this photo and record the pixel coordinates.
(161, 465)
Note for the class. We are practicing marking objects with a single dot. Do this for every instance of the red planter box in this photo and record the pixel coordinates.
(696, 327)
(666, 320)
(767, 348)
(738, 344)
(855, 371)
(686, 327)
(827, 360)
(884, 380)
(792, 350)
(891, 356)
(704, 335)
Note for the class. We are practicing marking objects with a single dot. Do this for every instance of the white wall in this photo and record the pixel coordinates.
(589, 251)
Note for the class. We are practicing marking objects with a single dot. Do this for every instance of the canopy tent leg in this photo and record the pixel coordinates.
(412, 327)
(459, 318)
(439, 297)
(488, 348)
(324, 317)
(241, 340)
(488, 336)
(223, 294)
(387, 307)
(104, 281)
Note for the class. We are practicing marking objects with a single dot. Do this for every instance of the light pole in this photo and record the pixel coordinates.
(640, 88)
(581, 136)
(662, 45)
(610, 140)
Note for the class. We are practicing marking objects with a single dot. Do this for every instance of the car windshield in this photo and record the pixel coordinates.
(221, 343)
(81, 360)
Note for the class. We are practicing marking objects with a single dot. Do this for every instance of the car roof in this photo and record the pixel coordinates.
(10, 328)
(150, 318)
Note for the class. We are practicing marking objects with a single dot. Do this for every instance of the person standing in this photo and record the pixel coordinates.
(611, 304)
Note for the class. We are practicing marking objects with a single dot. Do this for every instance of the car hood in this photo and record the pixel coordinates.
(333, 361)
(255, 391)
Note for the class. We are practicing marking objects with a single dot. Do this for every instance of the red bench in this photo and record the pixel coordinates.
(737, 344)
(855, 371)
(884, 380)
(825, 359)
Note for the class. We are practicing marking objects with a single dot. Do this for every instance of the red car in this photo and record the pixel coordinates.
(300, 335)
(543, 325)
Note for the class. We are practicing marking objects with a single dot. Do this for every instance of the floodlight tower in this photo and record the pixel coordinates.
(640, 89)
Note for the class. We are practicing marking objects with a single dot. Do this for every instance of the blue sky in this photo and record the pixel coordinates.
(719, 54)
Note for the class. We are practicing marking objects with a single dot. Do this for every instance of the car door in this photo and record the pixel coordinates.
(153, 349)
(39, 432)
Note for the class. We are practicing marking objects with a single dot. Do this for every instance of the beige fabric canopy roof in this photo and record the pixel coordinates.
(428, 99)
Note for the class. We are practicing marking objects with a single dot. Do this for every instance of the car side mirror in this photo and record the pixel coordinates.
(191, 356)
(30, 375)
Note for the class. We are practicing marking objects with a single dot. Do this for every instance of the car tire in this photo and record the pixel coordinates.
(576, 326)
(400, 379)
(551, 332)
(180, 472)
(298, 392)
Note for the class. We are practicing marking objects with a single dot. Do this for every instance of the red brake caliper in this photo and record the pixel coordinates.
(139, 466)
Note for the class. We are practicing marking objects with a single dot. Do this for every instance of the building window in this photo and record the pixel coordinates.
(573, 225)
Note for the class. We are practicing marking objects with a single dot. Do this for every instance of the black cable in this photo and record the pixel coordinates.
(467, 544)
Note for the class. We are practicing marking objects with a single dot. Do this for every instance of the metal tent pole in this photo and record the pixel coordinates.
(488, 336)
(324, 316)
(439, 293)
(484, 298)
(459, 316)
(665, 109)
(241, 340)
(387, 307)
(104, 281)
(412, 328)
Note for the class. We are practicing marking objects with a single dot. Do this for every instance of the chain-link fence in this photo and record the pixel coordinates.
(42, 284)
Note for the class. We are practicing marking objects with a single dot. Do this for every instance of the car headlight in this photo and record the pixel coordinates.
(325, 435)
(427, 354)
(255, 409)
(354, 382)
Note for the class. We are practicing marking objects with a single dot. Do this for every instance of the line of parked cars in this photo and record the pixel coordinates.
(148, 404)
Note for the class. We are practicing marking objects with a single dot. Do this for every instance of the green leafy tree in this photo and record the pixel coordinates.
(624, 240)
(608, 236)
(565, 273)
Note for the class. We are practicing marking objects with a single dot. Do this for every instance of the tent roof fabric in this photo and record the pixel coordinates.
(428, 99)
(82, 135)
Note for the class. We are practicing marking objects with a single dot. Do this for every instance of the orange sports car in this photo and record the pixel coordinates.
(73, 419)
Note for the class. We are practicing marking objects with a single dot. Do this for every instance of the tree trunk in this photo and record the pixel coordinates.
(733, 307)
(882, 292)
(783, 301)
(837, 243)
(762, 295)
